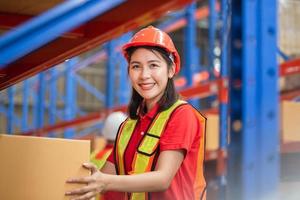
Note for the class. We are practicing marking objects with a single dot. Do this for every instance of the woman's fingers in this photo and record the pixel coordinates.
(92, 187)
(87, 196)
(83, 180)
(87, 179)
(83, 190)
(91, 167)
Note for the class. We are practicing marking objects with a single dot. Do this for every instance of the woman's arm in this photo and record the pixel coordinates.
(159, 180)
(108, 168)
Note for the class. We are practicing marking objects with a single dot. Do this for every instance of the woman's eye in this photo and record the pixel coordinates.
(134, 66)
(153, 65)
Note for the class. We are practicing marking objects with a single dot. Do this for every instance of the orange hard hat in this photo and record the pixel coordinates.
(151, 36)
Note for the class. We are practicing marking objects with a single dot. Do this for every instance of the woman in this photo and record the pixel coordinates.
(159, 149)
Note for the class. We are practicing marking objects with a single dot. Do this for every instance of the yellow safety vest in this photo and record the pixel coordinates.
(147, 150)
(99, 162)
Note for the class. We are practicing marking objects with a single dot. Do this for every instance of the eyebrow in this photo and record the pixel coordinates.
(150, 61)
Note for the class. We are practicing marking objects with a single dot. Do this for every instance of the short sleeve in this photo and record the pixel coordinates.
(181, 130)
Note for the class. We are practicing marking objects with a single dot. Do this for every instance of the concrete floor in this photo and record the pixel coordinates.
(290, 176)
(289, 191)
(289, 187)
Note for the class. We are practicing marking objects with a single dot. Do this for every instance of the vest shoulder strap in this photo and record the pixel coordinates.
(121, 143)
(150, 141)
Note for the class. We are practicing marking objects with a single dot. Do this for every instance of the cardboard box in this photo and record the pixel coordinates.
(35, 168)
(212, 132)
(290, 122)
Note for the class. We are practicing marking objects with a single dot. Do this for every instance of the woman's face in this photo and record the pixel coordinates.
(149, 74)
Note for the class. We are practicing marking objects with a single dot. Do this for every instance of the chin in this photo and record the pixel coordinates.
(147, 97)
(146, 94)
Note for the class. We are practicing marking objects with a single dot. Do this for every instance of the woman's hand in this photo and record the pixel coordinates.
(94, 184)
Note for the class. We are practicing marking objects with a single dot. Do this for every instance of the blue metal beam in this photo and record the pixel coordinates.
(34, 105)
(212, 22)
(223, 101)
(212, 36)
(268, 95)
(70, 96)
(19, 90)
(52, 97)
(96, 58)
(41, 100)
(253, 151)
(55, 95)
(124, 83)
(10, 110)
(94, 91)
(24, 126)
(191, 51)
(250, 163)
(242, 169)
(49, 26)
(282, 54)
(110, 73)
(224, 72)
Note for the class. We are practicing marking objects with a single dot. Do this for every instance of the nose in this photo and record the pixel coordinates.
(145, 73)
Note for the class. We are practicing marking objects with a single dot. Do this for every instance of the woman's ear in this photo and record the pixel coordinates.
(171, 72)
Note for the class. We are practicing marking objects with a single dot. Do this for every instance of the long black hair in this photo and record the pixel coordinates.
(170, 95)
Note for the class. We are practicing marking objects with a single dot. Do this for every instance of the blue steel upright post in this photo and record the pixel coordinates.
(124, 83)
(10, 110)
(24, 125)
(223, 100)
(238, 185)
(191, 52)
(211, 36)
(253, 169)
(70, 98)
(41, 100)
(212, 19)
(35, 100)
(224, 74)
(52, 97)
(268, 94)
(110, 72)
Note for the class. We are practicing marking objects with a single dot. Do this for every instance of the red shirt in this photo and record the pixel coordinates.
(182, 133)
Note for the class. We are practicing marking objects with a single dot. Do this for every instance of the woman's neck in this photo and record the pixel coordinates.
(150, 105)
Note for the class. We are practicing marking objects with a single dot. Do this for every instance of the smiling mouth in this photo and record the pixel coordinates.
(146, 86)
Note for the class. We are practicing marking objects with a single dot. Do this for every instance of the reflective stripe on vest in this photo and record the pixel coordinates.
(99, 161)
(121, 143)
(200, 184)
(145, 154)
